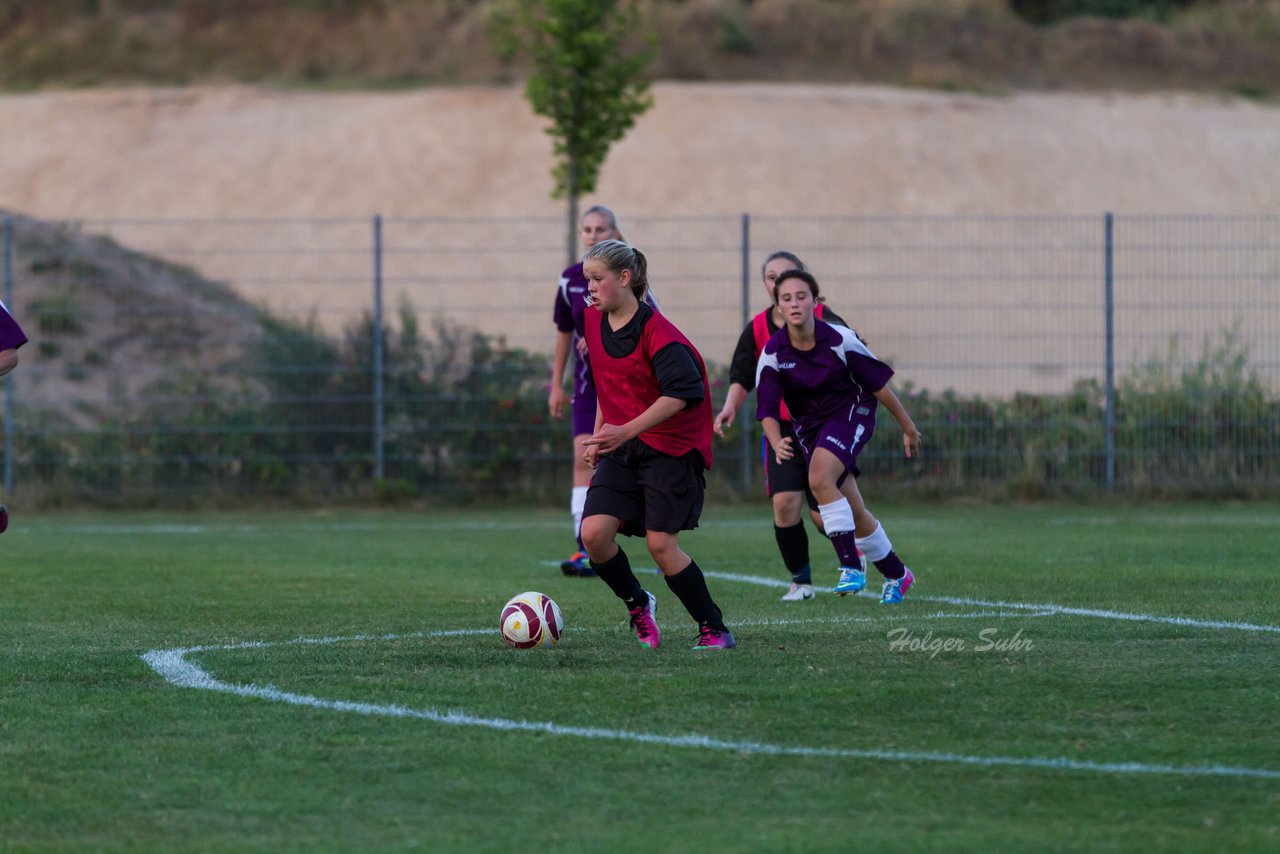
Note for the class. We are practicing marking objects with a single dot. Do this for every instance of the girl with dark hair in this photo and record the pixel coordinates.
(650, 446)
(831, 382)
(786, 482)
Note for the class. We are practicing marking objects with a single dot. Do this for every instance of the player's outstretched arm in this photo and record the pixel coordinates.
(732, 403)
(911, 437)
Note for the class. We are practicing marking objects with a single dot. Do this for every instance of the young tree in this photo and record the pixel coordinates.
(586, 78)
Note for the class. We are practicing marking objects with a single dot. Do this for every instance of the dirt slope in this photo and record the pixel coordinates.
(704, 148)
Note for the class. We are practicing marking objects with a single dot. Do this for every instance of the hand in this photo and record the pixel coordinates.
(556, 402)
(606, 440)
(911, 440)
(582, 346)
(591, 456)
(723, 420)
(783, 450)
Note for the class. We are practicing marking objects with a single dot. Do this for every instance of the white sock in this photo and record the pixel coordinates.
(837, 517)
(877, 546)
(576, 503)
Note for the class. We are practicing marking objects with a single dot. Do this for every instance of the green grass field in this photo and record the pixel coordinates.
(1136, 704)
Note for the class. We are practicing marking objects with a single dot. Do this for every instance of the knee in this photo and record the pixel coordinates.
(596, 536)
(823, 488)
(664, 550)
(786, 508)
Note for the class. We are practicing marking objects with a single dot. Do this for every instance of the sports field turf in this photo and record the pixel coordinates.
(1060, 678)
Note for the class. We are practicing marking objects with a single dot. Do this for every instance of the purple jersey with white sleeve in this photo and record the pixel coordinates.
(571, 302)
(11, 334)
(831, 386)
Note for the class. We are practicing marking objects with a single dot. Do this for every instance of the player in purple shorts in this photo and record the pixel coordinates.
(786, 481)
(650, 446)
(11, 338)
(598, 223)
(832, 383)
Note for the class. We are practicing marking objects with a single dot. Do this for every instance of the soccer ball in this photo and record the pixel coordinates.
(531, 619)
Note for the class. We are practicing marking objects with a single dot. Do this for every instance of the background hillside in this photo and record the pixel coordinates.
(987, 45)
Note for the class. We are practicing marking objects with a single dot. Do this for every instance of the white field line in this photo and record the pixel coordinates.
(173, 665)
(1044, 608)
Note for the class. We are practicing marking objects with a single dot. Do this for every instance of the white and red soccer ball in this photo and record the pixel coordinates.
(531, 619)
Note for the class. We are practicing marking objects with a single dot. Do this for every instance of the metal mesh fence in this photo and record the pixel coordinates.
(1038, 354)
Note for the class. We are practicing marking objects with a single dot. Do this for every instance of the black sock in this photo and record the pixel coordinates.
(690, 588)
(793, 542)
(891, 566)
(616, 572)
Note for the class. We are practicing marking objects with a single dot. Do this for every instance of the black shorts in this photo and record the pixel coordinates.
(647, 489)
(789, 476)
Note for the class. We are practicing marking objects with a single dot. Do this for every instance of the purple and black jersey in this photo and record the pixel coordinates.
(571, 302)
(11, 334)
(742, 370)
(836, 381)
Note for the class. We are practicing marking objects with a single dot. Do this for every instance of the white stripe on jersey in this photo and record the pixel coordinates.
(848, 343)
(564, 289)
(766, 360)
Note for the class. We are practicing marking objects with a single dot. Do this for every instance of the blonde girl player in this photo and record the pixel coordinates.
(650, 446)
(11, 338)
(597, 224)
(786, 482)
(832, 384)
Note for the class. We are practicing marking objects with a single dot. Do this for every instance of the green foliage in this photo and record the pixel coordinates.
(1049, 11)
(1202, 425)
(58, 314)
(585, 80)
(465, 416)
(736, 35)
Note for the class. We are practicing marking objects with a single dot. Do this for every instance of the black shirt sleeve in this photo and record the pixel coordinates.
(677, 372)
(742, 370)
(831, 317)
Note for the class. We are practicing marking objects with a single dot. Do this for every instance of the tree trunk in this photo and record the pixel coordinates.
(572, 185)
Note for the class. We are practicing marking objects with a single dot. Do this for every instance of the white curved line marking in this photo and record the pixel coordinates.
(173, 665)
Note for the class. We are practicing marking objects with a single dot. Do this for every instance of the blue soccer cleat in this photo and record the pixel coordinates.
(896, 588)
(852, 580)
(577, 565)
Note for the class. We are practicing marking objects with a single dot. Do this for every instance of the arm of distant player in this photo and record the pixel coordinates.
(732, 403)
(556, 401)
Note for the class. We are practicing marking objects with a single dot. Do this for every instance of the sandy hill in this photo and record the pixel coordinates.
(702, 149)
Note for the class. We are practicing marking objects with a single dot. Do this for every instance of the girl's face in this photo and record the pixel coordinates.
(609, 290)
(595, 228)
(772, 270)
(795, 301)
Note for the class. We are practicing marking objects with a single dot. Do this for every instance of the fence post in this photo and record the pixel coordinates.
(8, 387)
(744, 423)
(379, 455)
(1109, 229)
